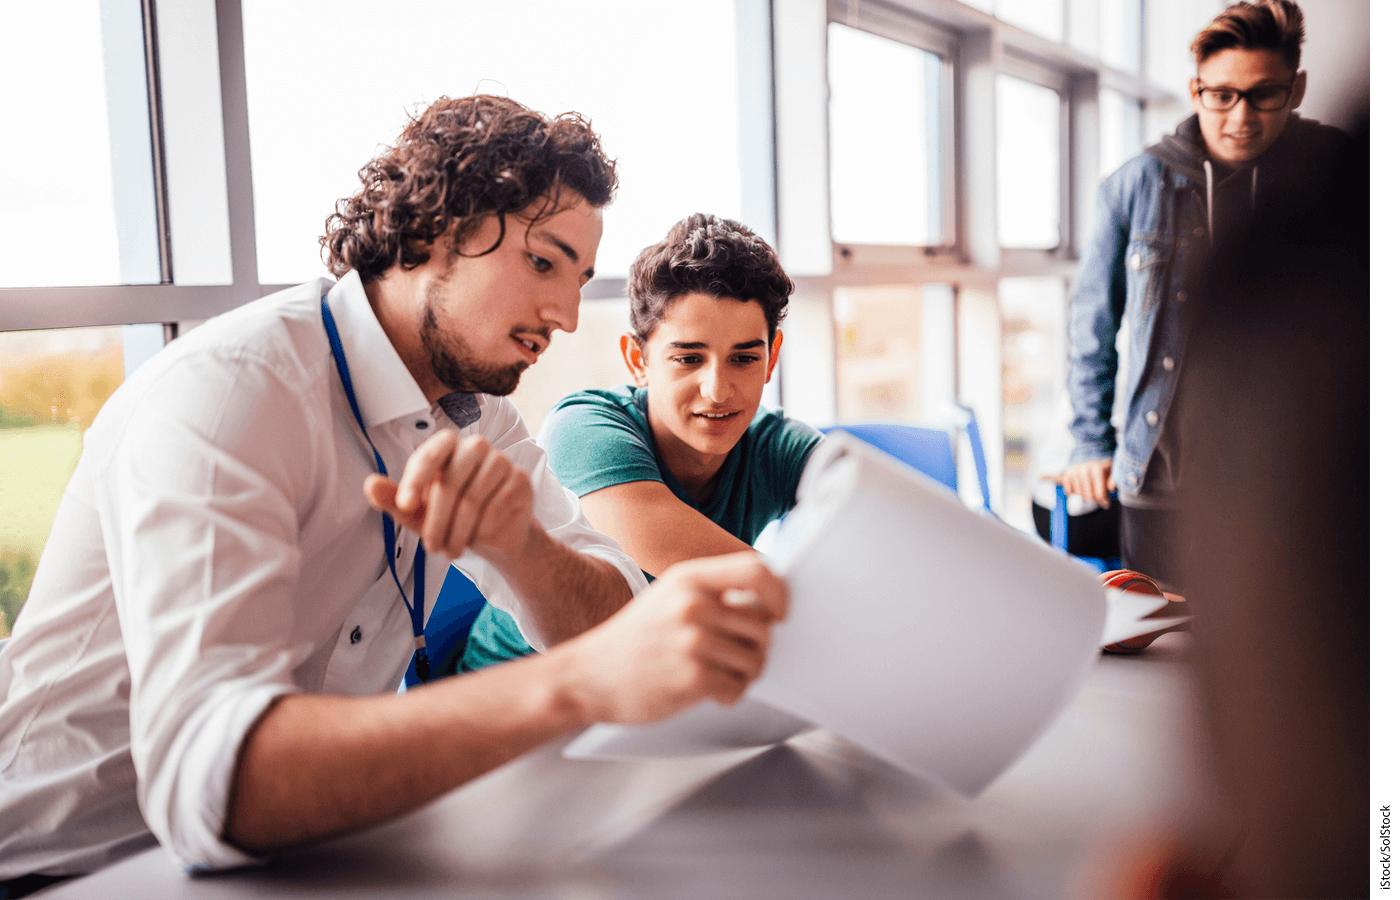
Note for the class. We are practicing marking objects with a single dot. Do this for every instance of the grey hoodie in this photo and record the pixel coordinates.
(1287, 165)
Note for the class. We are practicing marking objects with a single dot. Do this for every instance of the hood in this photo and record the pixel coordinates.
(1299, 150)
(1302, 143)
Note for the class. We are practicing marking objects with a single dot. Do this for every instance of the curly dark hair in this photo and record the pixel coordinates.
(1275, 25)
(704, 254)
(457, 164)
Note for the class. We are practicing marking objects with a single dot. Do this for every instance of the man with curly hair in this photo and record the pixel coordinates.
(683, 463)
(209, 653)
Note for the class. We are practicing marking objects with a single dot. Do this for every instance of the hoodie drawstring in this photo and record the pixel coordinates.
(1210, 202)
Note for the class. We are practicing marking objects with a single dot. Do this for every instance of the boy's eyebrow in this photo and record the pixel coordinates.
(701, 345)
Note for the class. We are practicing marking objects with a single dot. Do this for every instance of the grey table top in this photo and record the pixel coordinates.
(814, 818)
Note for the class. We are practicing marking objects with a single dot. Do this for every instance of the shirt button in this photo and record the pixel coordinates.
(1153, 418)
(1180, 296)
(1168, 363)
(1132, 478)
(355, 635)
(1135, 261)
(420, 425)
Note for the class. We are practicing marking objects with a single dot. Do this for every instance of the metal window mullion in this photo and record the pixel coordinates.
(162, 199)
(238, 161)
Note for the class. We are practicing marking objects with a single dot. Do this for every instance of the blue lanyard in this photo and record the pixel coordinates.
(415, 609)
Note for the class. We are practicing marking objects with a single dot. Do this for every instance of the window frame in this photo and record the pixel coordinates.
(168, 302)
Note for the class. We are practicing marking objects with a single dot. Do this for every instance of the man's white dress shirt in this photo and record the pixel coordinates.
(213, 551)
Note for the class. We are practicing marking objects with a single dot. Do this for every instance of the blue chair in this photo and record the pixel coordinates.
(458, 604)
(1059, 536)
(930, 450)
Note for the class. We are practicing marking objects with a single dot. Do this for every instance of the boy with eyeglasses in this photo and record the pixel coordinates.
(1159, 217)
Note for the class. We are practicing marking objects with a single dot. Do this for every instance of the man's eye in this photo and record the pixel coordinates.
(745, 360)
(687, 360)
(540, 263)
(1224, 98)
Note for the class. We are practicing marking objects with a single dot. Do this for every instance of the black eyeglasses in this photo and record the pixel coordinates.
(1264, 98)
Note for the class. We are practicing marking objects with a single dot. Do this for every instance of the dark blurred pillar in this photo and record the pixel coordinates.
(1276, 394)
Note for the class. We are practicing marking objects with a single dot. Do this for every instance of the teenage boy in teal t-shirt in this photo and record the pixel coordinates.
(685, 463)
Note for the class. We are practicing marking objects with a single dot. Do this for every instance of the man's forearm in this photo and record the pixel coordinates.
(563, 592)
(316, 766)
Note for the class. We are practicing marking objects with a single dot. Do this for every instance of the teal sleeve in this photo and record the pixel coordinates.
(784, 445)
(593, 442)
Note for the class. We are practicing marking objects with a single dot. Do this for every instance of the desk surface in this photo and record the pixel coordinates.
(814, 818)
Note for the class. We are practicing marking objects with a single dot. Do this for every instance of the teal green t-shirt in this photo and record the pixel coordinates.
(596, 439)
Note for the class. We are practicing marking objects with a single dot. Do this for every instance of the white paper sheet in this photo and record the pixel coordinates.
(1128, 613)
(934, 636)
(937, 637)
(706, 728)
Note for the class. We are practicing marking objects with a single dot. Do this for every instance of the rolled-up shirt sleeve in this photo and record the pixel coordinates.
(556, 509)
(199, 518)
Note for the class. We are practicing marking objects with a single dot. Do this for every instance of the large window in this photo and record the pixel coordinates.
(329, 84)
(1034, 366)
(76, 177)
(1028, 164)
(886, 140)
(51, 385)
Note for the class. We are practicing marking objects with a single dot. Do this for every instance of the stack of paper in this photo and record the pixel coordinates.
(934, 636)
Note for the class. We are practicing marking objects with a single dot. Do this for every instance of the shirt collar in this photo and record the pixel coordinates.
(384, 388)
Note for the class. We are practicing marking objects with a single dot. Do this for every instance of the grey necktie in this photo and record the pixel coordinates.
(462, 409)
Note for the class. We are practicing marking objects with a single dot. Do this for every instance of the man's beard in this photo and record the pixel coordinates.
(454, 367)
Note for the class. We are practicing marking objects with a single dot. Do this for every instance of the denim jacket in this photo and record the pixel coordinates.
(1157, 219)
(1149, 239)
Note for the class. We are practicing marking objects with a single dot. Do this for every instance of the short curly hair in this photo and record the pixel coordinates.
(1275, 25)
(704, 254)
(458, 163)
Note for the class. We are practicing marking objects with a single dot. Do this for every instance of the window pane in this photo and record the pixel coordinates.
(1120, 34)
(1033, 386)
(51, 386)
(1043, 17)
(1028, 164)
(1170, 27)
(329, 85)
(894, 352)
(1120, 129)
(76, 183)
(885, 115)
(588, 358)
(1084, 26)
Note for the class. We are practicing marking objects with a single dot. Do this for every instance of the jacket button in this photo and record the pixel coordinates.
(1168, 363)
(1135, 261)
(1199, 231)
(1180, 296)
(420, 425)
(1153, 418)
(355, 635)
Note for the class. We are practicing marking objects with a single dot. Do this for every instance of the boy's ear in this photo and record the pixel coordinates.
(773, 356)
(1300, 87)
(635, 358)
